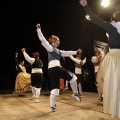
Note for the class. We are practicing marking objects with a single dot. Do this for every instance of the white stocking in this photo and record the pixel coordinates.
(52, 100)
(33, 91)
(37, 93)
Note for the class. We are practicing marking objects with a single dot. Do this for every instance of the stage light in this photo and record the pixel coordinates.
(88, 17)
(105, 3)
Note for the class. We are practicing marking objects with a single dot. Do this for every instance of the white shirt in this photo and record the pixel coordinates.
(78, 70)
(22, 68)
(49, 48)
(31, 61)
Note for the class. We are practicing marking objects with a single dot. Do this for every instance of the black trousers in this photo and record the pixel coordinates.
(56, 73)
(79, 78)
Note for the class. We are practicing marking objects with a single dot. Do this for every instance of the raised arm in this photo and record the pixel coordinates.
(95, 19)
(16, 61)
(27, 57)
(84, 61)
(75, 60)
(44, 42)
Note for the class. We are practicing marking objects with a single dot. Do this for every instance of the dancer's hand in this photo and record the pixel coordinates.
(38, 26)
(16, 54)
(85, 58)
(83, 2)
(79, 51)
(23, 49)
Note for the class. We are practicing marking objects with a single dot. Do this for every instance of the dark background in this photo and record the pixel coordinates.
(64, 18)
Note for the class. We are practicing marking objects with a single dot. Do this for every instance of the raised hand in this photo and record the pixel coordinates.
(85, 58)
(38, 26)
(16, 54)
(83, 2)
(79, 51)
(23, 49)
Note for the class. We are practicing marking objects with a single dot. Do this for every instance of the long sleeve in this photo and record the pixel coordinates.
(16, 61)
(98, 21)
(67, 53)
(84, 61)
(17, 65)
(44, 42)
(75, 60)
(28, 58)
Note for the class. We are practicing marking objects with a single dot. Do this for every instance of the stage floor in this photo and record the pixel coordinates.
(13, 107)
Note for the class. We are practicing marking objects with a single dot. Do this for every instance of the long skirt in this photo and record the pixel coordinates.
(22, 83)
(108, 78)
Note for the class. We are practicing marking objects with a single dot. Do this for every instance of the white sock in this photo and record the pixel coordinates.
(74, 87)
(66, 83)
(37, 93)
(33, 90)
(52, 100)
(80, 89)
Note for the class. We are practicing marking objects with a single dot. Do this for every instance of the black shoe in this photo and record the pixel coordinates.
(76, 96)
(100, 99)
(53, 109)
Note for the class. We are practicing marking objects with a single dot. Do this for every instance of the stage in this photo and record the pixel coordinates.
(14, 107)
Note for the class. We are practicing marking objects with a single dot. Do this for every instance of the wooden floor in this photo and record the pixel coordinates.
(13, 107)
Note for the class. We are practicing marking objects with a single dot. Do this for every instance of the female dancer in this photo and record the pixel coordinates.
(96, 60)
(36, 72)
(110, 66)
(23, 81)
(78, 70)
(55, 71)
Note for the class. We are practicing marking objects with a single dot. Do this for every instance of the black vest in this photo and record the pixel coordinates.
(37, 64)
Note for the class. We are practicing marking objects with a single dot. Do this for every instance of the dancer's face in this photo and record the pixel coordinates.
(56, 43)
(36, 54)
(22, 63)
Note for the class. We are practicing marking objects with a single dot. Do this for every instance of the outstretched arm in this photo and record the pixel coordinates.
(69, 53)
(45, 43)
(84, 61)
(95, 19)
